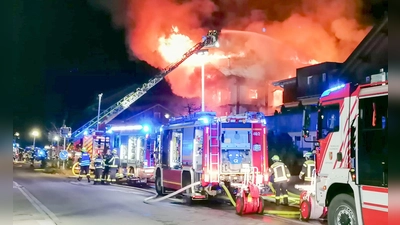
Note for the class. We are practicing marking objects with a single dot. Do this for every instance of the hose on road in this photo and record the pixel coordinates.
(154, 198)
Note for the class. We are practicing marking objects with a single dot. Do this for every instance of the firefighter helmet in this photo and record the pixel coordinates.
(84, 150)
(275, 158)
(114, 151)
(307, 155)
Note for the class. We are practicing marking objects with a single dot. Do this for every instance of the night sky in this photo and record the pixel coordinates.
(65, 54)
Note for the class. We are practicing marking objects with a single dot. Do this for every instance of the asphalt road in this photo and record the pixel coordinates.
(47, 199)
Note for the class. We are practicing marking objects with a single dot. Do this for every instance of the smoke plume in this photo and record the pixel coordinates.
(277, 36)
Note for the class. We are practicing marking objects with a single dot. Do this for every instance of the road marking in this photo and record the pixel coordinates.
(50, 217)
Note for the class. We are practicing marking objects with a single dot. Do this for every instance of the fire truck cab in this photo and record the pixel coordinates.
(215, 151)
(351, 153)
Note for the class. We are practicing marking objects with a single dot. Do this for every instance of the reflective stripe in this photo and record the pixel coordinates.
(310, 167)
(280, 174)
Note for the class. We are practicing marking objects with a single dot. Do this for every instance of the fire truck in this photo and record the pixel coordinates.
(136, 145)
(225, 155)
(351, 155)
(95, 143)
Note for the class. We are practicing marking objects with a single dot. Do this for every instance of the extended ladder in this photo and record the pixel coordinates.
(214, 164)
(109, 114)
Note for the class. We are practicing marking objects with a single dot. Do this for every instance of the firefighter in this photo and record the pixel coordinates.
(307, 170)
(98, 169)
(280, 177)
(106, 170)
(84, 163)
(114, 164)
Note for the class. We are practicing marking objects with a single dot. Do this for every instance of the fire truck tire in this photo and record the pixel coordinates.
(342, 204)
(305, 210)
(239, 205)
(261, 205)
(159, 187)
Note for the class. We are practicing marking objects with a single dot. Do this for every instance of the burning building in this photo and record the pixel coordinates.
(260, 42)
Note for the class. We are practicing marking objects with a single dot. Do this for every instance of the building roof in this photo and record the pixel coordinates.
(154, 106)
(375, 43)
(284, 82)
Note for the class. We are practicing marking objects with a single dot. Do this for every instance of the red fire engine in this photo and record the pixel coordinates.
(137, 160)
(221, 153)
(351, 174)
(95, 142)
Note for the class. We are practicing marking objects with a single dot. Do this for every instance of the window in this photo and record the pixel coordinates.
(328, 120)
(372, 162)
(309, 80)
(165, 143)
(324, 77)
(157, 115)
(253, 94)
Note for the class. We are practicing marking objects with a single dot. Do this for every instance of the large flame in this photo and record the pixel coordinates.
(173, 47)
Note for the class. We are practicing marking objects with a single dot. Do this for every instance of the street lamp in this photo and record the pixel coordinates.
(98, 111)
(203, 53)
(56, 139)
(35, 134)
(16, 134)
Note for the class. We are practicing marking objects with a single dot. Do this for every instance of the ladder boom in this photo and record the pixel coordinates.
(113, 111)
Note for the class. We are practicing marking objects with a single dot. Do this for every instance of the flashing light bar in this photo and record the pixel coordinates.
(330, 90)
(122, 128)
(204, 120)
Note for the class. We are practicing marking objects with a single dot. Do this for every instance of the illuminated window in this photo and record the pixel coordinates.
(253, 94)
(277, 98)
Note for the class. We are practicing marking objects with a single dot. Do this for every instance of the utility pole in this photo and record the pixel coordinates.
(98, 111)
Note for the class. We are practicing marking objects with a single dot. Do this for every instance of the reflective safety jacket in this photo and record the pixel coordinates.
(99, 163)
(85, 159)
(308, 167)
(279, 171)
(114, 161)
(106, 160)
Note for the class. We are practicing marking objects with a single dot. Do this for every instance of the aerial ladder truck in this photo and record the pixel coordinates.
(89, 129)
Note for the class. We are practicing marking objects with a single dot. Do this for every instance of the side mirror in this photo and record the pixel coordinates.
(306, 123)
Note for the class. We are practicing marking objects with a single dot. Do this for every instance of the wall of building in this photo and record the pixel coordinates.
(291, 124)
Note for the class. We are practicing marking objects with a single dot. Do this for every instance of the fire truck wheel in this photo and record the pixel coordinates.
(159, 187)
(305, 210)
(260, 209)
(239, 205)
(342, 210)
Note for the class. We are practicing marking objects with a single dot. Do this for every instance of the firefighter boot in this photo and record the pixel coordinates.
(277, 201)
(286, 200)
(79, 178)
(88, 178)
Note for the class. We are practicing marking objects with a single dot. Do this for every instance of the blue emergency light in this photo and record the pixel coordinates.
(330, 90)
(205, 120)
(146, 128)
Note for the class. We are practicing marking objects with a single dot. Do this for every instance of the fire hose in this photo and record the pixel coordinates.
(154, 199)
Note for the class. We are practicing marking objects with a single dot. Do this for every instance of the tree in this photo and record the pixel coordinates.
(191, 108)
